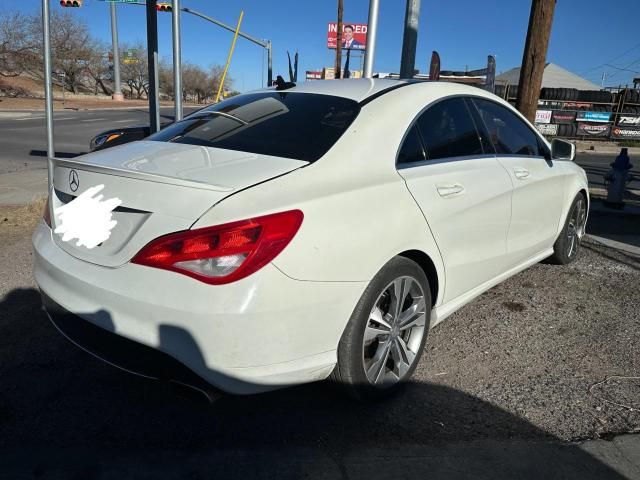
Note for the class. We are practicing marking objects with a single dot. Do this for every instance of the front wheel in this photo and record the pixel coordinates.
(385, 336)
(565, 250)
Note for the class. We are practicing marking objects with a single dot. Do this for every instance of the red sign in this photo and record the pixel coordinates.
(354, 35)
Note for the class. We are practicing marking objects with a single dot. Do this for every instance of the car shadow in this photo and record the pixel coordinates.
(615, 225)
(65, 414)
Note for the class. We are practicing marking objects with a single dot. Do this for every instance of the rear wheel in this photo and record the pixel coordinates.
(565, 250)
(385, 336)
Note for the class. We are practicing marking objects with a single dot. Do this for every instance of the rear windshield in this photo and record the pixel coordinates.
(302, 126)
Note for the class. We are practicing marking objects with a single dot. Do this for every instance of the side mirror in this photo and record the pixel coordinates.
(562, 150)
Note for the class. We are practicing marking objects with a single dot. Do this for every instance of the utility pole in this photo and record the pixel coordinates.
(152, 57)
(177, 62)
(338, 67)
(117, 89)
(372, 32)
(410, 39)
(534, 57)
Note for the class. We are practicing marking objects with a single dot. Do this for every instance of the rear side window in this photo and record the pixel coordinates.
(448, 130)
(411, 150)
(301, 126)
(509, 134)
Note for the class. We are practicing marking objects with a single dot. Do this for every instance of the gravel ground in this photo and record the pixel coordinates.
(540, 357)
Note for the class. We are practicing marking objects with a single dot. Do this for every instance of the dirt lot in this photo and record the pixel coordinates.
(551, 354)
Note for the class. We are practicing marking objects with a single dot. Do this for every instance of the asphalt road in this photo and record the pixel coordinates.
(23, 142)
(23, 139)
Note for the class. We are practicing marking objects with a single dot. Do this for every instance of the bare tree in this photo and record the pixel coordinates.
(215, 77)
(165, 77)
(18, 46)
(98, 69)
(72, 47)
(134, 69)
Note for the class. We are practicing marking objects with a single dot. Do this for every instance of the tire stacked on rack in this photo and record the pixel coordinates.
(597, 96)
(562, 94)
(631, 95)
(633, 109)
(567, 130)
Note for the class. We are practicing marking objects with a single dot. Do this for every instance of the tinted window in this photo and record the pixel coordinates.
(293, 125)
(411, 150)
(448, 130)
(509, 134)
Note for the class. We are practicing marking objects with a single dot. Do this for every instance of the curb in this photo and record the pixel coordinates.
(615, 245)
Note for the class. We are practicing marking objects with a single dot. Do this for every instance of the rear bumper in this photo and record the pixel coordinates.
(263, 332)
(116, 350)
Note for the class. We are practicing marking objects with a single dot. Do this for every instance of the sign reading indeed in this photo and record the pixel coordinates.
(594, 116)
(543, 116)
(354, 35)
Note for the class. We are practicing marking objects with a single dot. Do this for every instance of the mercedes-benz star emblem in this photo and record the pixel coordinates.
(74, 181)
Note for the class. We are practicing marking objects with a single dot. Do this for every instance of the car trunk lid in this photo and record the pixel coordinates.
(162, 188)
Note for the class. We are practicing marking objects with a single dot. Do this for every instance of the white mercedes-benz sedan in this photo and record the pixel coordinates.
(291, 234)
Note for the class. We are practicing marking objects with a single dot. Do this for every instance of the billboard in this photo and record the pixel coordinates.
(547, 129)
(587, 130)
(593, 116)
(625, 132)
(313, 75)
(562, 116)
(629, 120)
(354, 35)
(543, 116)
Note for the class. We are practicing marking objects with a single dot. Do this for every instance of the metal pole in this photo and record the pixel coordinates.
(177, 62)
(152, 56)
(269, 64)
(262, 43)
(410, 39)
(117, 89)
(48, 97)
(372, 31)
(233, 46)
(339, 26)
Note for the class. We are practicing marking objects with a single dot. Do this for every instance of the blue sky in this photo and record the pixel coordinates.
(586, 35)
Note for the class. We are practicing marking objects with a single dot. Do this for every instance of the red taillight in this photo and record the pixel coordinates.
(46, 214)
(224, 253)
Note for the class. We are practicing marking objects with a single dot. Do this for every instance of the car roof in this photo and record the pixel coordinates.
(354, 89)
(367, 89)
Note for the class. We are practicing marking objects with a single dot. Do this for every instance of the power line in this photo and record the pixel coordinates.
(609, 61)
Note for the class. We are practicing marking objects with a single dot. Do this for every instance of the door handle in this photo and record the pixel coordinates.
(521, 173)
(446, 190)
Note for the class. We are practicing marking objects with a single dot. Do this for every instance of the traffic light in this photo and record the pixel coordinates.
(70, 3)
(164, 7)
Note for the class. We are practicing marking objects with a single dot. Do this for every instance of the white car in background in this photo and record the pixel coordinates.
(283, 236)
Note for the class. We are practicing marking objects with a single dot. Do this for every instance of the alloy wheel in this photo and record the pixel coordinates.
(394, 332)
(575, 228)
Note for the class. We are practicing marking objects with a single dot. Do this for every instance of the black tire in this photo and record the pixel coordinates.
(563, 251)
(636, 96)
(562, 130)
(350, 371)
